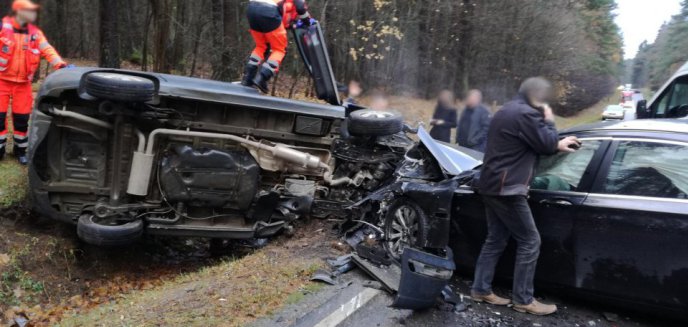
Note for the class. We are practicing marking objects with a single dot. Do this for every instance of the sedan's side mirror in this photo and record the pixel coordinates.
(641, 110)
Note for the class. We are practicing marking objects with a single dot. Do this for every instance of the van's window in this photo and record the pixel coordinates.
(674, 101)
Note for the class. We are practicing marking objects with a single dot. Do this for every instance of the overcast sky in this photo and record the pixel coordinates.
(640, 20)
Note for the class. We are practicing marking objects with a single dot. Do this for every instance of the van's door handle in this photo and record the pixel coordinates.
(558, 202)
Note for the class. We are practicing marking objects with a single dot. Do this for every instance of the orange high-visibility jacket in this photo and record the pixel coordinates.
(292, 10)
(21, 49)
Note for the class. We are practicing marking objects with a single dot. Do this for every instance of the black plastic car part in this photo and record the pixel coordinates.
(108, 232)
(423, 277)
(313, 49)
(374, 123)
(210, 178)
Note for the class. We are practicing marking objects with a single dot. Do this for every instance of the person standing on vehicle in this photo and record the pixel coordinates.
(22, 45)
(520, 132)
(474, 123)
(444, 118)
(269, 21)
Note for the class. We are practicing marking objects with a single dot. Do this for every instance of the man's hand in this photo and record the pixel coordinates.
(569, 144)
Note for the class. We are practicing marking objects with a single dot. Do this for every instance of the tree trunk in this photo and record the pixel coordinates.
(161, 35)
(109, 34)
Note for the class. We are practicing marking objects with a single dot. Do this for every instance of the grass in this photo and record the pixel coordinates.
(587, 116)
(16, 286)
(229, 294)
(13, 182)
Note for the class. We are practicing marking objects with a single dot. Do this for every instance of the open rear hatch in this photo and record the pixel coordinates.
(313, 49)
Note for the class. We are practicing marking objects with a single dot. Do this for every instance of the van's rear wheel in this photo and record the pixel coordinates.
(109, 231)
(119, 87)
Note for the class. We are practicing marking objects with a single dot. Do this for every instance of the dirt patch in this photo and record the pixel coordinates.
(47, 273)
(227, 294)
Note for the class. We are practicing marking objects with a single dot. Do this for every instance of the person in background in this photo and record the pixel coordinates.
(444, 118)
(379, 102)
(353, 91)
(269, 21)
(22, 45)
(474, 123)
(520, 132)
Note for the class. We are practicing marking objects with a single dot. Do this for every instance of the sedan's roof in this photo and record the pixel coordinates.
(643, 125)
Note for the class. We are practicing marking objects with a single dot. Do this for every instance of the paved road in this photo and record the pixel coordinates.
(333, 307)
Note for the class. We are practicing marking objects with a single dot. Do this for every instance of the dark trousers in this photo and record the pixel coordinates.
(509, 216)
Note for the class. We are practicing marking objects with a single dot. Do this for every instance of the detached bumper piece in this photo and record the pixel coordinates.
(423, 277)
(420, 280)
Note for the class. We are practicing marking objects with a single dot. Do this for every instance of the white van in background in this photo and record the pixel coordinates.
(671, 101)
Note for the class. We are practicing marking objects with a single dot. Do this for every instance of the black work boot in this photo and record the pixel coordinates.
(261, 81)
(249, 74)
(20, 154)
(2, 153)
(23, 160)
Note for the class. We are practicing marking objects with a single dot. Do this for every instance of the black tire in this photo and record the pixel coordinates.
(119, 87)
(95, 232)
(414, 232)
(374, 123)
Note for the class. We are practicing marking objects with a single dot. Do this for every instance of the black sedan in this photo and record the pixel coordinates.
(613, 217)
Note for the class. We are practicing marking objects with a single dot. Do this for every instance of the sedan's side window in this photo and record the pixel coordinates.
(652, 169)
(564, 171)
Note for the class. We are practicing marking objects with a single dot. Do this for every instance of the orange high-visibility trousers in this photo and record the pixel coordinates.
(275, 41)
(20, 96)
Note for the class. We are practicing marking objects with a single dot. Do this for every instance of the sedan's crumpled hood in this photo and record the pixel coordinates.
(452, 160)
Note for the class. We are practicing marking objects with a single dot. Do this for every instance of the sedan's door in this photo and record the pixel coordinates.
(632, 230)
(560, 186)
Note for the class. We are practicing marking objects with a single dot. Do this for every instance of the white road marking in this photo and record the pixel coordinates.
(350, 307)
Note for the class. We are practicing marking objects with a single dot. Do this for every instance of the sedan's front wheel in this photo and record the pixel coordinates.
(406, 225)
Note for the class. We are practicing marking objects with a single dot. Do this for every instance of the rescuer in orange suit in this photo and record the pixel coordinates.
(269, 21)
(22, 45)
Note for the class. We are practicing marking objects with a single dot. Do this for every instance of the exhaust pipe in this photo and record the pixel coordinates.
(142, 165)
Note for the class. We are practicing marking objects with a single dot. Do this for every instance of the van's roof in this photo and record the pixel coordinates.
(683, 70)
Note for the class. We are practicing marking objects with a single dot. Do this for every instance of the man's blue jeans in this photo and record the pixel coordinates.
(509, 216)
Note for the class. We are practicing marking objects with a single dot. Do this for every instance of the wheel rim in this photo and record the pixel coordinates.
(402, 230)
(376, 114)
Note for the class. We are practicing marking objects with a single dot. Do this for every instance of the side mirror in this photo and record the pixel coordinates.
(641, 110)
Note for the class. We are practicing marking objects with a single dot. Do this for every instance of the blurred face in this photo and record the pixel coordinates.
(379, 103)
(446, 98)
(355, 89)
(27, 16)
(542, 95)
(474, 99)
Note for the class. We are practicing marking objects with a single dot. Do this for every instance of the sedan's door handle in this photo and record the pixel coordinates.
(558, 202)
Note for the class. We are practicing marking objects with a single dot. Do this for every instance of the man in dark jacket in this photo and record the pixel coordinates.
(520, 132)
(474, 123)
(444, 117)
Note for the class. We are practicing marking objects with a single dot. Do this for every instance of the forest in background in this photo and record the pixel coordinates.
(411, 47)
(656, 62)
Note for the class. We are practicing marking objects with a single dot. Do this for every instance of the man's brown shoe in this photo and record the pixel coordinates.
(491, 299)
(536, 308)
